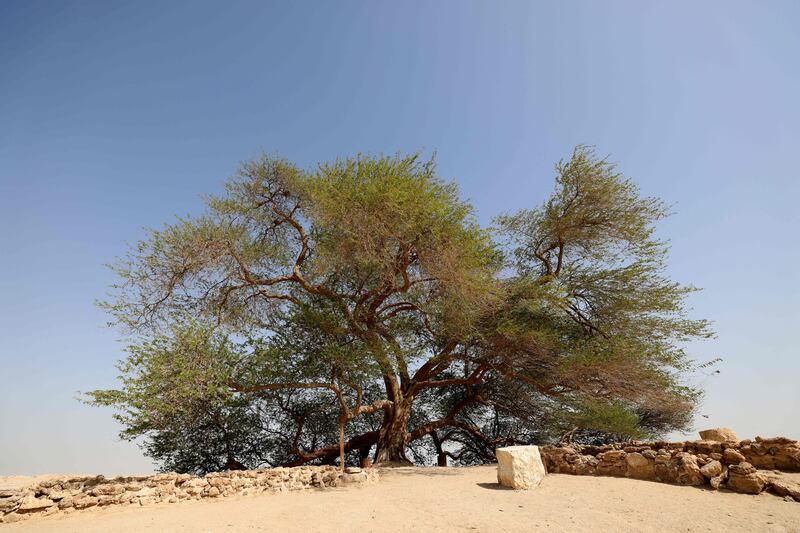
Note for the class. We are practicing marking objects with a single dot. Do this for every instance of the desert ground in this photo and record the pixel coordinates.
(451, 499)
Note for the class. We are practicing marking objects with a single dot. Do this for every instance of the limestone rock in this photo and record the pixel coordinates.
(84, 502)
(711, 469)
(520, 467)
(689, 471)
(782, 487)
(32, 503)
(358, 477)
(11, 518)
(732, 457)
(108, 489)
(8, 504)
(639, 466)
(744, 478)
(718, 434)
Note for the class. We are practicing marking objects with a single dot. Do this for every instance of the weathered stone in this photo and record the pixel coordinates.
(32, 503)
(706, 446)
(711, 469)
(612, 456)
(219, 482)
(783, 487)
(765, 462)
(8, 504)
(744, 478)
(742, 469)
(718, 434)
(689, 471)
(84, 502)
(586, 466)
(358, 477)
(169, 476)
(108, 489)
(11, 518)
(214, 491)
(639, 467)
(520, 467)
(715, 482)
(66, 503)
(732, 457)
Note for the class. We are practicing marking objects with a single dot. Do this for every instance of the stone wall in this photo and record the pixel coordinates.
(68, 495)
(742, 466)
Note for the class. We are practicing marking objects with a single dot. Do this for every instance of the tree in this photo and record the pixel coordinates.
(371, 304)
(171, 392)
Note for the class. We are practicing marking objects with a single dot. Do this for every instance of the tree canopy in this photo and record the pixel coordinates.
(358, 307)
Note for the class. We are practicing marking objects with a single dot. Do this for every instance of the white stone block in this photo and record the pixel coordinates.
(520, 467)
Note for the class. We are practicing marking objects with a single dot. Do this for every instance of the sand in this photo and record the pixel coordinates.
(451, 499)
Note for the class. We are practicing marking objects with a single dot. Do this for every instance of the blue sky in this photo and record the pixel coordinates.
(118, 116)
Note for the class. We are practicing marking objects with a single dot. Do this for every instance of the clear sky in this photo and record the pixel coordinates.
(117, 116)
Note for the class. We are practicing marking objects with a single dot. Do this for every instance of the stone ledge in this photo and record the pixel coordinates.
(743, 466)
(73, 494)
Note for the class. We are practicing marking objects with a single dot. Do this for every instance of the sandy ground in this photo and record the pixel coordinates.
(463, 499)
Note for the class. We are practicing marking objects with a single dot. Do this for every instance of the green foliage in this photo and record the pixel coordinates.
(365, 292)
(174, 391)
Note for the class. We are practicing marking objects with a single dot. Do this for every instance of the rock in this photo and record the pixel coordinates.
(32, 503)
(711, 469)
(11, 518)
(705, 447)
(213, 491)
(732, 457)
(689, 471)
(108, 489)
(196, 482)
(359, 477)
(84, 502)
(219, 482)
(66, 503)
(8, 504)
(789, 499)
(160, 478)
(744, 478)
(718, 434)
(352, 470)
(715, 482)
(782, 487)
(586, 465)
(639, 466)
(520, 467)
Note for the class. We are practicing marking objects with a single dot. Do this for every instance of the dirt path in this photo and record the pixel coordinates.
(464, 499)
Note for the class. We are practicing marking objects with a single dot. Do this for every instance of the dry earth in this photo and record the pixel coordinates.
(454, 499)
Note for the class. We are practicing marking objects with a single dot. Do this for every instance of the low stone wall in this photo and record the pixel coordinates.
(730, 464)
(67, 495)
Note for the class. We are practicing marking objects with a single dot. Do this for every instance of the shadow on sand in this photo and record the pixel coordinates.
(421, 471)
(493, 486)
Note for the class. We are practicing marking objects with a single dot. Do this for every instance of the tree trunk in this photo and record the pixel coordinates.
(341, 445)
(441, 456)
(392, 435)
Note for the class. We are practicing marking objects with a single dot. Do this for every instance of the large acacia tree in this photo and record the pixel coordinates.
(362, 306)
